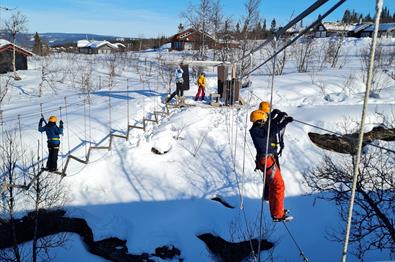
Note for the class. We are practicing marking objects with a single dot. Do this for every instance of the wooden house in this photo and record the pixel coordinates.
(328, 29)
(6, 56)
(385, 30)
(190, 39)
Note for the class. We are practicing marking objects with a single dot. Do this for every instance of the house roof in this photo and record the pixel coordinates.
(95, 44)
(183, 35)
(387, 27)
(6, 45)
(335, 26)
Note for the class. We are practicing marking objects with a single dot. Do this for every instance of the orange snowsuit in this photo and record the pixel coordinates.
(274, 181)
(201, 84)
(274, 184)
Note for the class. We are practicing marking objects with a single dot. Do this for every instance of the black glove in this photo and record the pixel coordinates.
(275, 112)
(42, 120)
(289, 119)
(61, 124)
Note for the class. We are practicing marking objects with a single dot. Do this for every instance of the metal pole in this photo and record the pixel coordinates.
(379, 6)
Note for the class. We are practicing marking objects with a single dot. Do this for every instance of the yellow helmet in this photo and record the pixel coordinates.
(258, 115)
(52, 119)
(264, 106)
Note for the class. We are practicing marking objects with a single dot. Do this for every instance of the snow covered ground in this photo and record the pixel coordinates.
(152, 200)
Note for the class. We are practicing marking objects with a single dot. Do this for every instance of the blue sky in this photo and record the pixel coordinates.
(148, 18)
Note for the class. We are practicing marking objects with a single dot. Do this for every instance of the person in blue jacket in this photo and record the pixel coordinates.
(266, 144)
(179, 84)
(53, 135)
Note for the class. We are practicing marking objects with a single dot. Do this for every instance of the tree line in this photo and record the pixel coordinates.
(352, 16)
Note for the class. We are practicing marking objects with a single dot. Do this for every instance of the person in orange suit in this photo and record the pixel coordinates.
(202, 86)
(267, 155)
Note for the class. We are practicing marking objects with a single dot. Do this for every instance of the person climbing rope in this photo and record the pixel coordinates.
(201, 86)
(53, 135)
(267, 158)
(179, 85)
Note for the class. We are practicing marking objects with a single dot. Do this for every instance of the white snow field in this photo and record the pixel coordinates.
(152, 200)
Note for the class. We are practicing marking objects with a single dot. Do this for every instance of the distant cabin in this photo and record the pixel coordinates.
(328, 29)
(6, 50)
(99, 47)
(190, 39)
(385, 30)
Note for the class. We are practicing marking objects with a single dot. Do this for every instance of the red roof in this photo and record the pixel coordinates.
(18, 49)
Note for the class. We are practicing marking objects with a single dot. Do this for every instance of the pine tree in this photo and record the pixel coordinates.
(264, 25)
(346, 17)
(273, 25)
(237, 28)
(180, 27)
(38, 46)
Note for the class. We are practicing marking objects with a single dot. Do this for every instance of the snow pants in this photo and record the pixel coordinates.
(179, 92)
(52, 163)
(200, 92)
(274, 184)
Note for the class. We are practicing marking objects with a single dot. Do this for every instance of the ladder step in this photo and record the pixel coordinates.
(138, 127)
(100, 147)
(120, 136)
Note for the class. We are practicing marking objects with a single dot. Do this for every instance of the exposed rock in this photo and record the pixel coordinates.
(54, 222)
(232, 252)
(347, 144)
(167, 252)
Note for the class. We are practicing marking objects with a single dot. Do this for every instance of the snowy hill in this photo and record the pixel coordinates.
(153, 200)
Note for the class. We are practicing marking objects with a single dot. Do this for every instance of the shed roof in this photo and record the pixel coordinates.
(7, 45)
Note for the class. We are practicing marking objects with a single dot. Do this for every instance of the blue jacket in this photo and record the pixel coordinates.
(259, 133)
(53, 132)
(179, 73)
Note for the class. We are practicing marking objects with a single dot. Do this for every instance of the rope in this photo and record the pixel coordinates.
(267, 149)
(42, 138)
(240, 188)
(67, 125)
(20, 131)
(379, 6)
(85, 131)
(296, 244)
(61, 147)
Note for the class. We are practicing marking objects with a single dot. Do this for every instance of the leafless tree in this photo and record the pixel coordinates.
(303, 53)
(51, 75)
(45, 192)
(10, 154)
(334, 50)
(380, 79)
(248, 22)
(14, 25)
(199, 17)
(5, 83)
(373, 216)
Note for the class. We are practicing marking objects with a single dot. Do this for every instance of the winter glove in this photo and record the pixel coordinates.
(275, 112)
(61, 124)
(289, 119)
(41, 120)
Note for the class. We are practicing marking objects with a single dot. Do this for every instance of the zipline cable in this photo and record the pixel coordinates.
(379, 6)
(296, 243)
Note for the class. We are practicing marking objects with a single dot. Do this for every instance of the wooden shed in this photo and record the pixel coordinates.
(6, 50)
